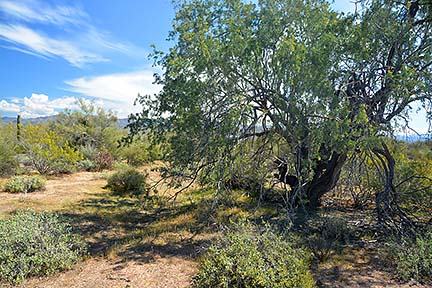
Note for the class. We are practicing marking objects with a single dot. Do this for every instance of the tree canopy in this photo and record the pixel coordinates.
(313, 84)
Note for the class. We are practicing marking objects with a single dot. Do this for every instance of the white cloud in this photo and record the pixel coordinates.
(8, 107)
(71, 35)
(37, 105)
(38, 44)
(118, 91)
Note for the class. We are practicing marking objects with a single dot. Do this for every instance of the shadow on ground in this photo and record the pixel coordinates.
(119, 228)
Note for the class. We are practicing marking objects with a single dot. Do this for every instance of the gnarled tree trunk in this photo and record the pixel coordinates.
(326, 175)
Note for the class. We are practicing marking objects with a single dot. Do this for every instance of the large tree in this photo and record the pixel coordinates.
(295, 73)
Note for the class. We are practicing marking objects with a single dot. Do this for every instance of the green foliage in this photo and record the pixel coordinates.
(86, 165)
(324, 83)
(414, 176)
(48, 151)
(36, 244)
(139, 152)
(327, 237)
(23, 184)
(90, 126)
(413, 258)
(252, 256)
(8, 162)
(127, 181)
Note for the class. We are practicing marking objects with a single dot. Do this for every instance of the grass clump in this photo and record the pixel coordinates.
(21, 184)
(253, 256)
(413, 258)
(127, 181)
(36, 244)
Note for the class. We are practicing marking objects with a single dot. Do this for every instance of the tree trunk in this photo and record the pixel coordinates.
(325, 180)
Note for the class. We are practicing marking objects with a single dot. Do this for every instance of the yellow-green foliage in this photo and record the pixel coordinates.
(8, 163)
(252, 256)
(47, 150)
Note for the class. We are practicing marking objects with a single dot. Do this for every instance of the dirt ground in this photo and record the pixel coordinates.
(132, 247)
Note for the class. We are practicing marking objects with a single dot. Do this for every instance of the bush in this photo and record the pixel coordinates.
(20, 184)
(127, 181)
(48, 151)
(413, 258)
(328, 237)
(94, 159)
(250, 256)
(36, 244)
(8, 162)
(86, 165)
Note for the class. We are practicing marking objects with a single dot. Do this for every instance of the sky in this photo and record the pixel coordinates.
(55, 52)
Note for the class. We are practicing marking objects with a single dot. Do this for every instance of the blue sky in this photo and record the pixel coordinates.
(54, 52)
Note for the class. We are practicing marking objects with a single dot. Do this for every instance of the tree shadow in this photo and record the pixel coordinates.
(111, 224)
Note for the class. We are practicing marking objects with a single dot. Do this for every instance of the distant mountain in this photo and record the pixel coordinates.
(414, 137)
(34, 121)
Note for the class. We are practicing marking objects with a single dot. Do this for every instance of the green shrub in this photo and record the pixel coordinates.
(127, 181)
(47, 151)
(8, 162)
(86, 165)
(36, 244)
(327, 237)
(21, 184)
(252, 256)
(413, 258)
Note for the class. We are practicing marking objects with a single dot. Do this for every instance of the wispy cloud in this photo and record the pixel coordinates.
(32, 11)
(71, 35)
(32, 42)
(118, 91)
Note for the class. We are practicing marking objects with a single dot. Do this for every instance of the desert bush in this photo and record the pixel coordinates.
(327, 237)
(136, 153)
(413, 257)
(127, 181)
(104, 160)
(86, 165)
(251, 256)
(36, 244)
(95, 159)
(48, 151)
(8, 161)
(22, 184)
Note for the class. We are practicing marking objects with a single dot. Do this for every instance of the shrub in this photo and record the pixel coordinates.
(252, 256)
(413, 258)
(8, 162)
(48, 151)
(330, 234)
(94, 159)
(104, 160)
(86, 165)
(127, 181)
(36, 244)
(21, 184)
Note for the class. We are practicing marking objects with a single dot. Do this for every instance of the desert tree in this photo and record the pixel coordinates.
(296, 74)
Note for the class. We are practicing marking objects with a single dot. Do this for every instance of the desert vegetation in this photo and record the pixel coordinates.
(269, 158)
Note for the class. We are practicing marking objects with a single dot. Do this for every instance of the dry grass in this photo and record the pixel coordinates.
(137, 243)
